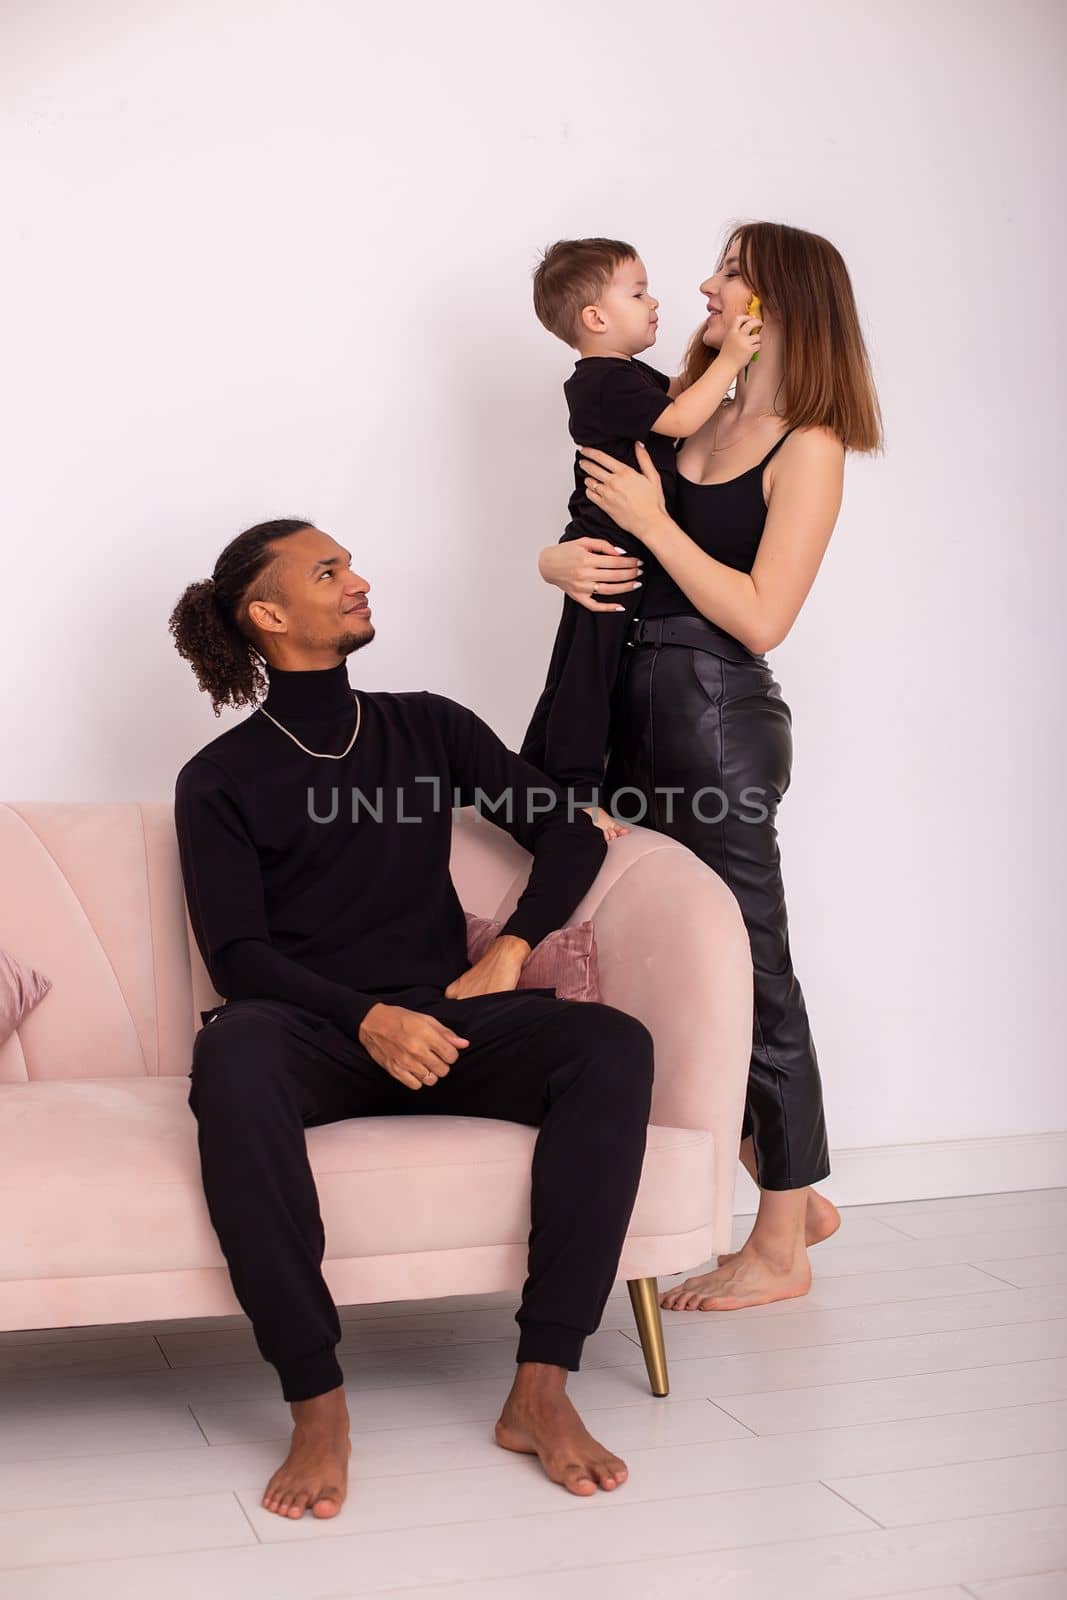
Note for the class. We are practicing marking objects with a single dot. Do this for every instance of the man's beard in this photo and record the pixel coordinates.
(348, 642)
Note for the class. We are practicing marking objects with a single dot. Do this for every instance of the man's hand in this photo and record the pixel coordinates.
(413, 1048)
(498, 969)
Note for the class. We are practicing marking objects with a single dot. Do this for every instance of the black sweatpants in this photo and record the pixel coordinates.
(264, 1070)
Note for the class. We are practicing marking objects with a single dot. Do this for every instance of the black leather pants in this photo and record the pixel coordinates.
(713, 719)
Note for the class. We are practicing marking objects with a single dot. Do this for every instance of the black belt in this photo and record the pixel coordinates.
(697, 633)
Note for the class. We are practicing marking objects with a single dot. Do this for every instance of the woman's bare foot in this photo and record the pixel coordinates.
(748, 1279)
(315, 1472)
(821, 1219)
(538, 1419)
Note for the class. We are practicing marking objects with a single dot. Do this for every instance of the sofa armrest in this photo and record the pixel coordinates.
(674, 952)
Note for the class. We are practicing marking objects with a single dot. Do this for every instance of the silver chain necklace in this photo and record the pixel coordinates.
(718, 451)
(326, 754)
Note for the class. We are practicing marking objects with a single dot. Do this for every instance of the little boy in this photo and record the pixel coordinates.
(593, 294)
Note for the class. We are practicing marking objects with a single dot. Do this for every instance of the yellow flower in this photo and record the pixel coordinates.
(753, 309)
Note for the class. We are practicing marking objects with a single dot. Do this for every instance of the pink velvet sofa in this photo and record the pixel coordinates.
(102, 1214)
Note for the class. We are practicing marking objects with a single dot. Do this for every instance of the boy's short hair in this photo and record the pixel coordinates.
(574, 273)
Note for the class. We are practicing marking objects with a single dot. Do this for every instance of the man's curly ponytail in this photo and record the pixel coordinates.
(210, 621)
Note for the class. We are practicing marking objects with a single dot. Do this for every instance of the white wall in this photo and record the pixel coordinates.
(270, 259)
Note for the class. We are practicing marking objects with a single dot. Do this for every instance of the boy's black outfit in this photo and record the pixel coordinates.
(318, 888)
(612, 402)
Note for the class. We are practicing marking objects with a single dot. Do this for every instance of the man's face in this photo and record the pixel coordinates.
(324, 604)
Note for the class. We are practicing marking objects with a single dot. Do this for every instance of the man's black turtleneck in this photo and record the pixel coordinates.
(325, 883)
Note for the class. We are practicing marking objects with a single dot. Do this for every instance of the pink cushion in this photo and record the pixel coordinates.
(20, 990)
(565, 960)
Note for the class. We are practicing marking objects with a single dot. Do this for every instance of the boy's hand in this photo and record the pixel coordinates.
(742, 342)
(606, 823)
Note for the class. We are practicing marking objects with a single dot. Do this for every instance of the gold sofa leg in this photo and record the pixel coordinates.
(644, 1297)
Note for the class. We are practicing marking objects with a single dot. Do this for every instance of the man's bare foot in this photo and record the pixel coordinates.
(538, 1419)
(315, 1472)
(748, 1279)
(821, 1219)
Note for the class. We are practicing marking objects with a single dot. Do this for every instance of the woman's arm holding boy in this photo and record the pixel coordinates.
(759, 607)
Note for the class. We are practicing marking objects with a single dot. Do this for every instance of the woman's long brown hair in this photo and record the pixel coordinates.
(803, 282)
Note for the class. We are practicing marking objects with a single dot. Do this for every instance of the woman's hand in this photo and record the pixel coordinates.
(581, 566)
(632, 499)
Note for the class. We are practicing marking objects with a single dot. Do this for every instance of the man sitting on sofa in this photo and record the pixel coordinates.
(314, 839)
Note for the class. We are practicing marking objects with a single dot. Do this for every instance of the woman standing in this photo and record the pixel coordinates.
(697, 710)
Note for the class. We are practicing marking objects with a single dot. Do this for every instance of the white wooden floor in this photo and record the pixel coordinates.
(901, 1431)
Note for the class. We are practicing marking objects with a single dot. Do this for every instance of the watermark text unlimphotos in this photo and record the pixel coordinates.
(627, 804)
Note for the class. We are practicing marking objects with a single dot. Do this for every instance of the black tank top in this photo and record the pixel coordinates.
(725, 519)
